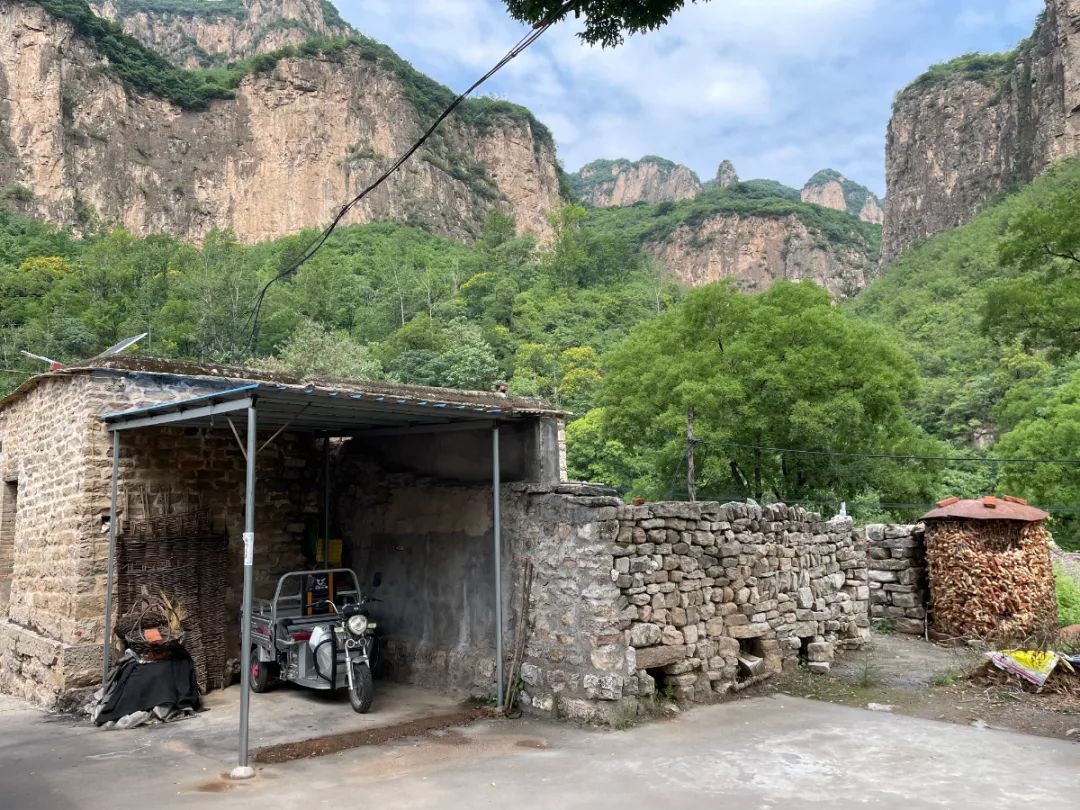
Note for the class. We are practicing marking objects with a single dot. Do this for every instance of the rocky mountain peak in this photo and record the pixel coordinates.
(604, 183)
(831, 189)
(726, 175)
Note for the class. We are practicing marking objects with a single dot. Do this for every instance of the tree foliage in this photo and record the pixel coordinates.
(780, 369)
(606, 22)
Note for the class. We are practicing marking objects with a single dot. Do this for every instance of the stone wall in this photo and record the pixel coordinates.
(669, 596)
(896, 562)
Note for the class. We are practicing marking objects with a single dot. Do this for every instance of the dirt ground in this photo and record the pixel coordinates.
(907, 675)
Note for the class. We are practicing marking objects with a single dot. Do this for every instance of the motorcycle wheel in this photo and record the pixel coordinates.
(363, 689)
(263, 673)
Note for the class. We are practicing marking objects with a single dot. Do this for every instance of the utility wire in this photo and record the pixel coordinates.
(890, 456)
(317, 243)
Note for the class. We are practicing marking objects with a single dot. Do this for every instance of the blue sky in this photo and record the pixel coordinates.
(780, 87)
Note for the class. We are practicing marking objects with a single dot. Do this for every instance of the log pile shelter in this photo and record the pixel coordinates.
(990, 570)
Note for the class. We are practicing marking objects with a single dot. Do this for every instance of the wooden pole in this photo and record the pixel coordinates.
(690, 487)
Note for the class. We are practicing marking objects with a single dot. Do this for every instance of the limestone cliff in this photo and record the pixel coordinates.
(200, 33)
(755, 251)
(970, 129)
(295, 142)
(605, 183)
(831, 189)
(753, 234)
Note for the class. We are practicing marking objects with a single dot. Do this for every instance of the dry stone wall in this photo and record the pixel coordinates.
(669, 596)
(897, 577)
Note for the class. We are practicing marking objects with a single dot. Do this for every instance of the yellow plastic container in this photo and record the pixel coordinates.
(333, 558)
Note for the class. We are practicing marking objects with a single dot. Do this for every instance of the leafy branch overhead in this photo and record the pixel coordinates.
(606, 22)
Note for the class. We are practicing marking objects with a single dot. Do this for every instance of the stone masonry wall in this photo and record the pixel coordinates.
(899, 593)
(668, 596)
(55, 445)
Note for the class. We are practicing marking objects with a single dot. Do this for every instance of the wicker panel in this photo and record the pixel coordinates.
(179, 555)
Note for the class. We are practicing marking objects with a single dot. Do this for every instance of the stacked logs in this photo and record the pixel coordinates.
(991, 579)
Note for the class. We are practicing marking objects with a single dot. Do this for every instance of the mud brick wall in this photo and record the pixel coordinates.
(899, 593)
(667, 596)
(55, 446)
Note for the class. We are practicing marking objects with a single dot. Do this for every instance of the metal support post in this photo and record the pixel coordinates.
(496, 475)
(109, 575)
(243, 770)
(326, 500)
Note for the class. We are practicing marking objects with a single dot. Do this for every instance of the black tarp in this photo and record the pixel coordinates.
(136, 686)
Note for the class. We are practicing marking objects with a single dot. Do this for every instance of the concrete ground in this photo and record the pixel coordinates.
(764, 752)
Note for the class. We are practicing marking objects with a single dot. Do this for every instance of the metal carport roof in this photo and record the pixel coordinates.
(326, 411)
(310, 409)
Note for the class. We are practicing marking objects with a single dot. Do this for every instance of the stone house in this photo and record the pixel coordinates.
(695, 600)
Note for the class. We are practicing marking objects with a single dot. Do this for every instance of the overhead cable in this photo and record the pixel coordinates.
(317, 243)
(1003, 460)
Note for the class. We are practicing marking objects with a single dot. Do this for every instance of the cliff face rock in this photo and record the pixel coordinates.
(831, 189)
(294, 144)
(973, 128)
(220, 32)
(755, 251)
(606, 183)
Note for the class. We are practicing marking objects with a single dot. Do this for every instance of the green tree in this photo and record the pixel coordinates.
(781, 369)
(592, 455)
(1047, 426)
(312, 351)
(1042, 245)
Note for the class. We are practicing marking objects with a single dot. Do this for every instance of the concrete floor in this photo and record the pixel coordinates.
(759, 753)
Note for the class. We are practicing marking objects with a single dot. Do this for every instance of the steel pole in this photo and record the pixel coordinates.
(243, 770)
(112, 556)
(496, 475)
(326, 501)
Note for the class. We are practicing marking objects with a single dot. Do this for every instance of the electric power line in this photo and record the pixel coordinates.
(316, 244)
(890, 456)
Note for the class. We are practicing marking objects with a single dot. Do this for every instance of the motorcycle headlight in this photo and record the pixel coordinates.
(358, 624)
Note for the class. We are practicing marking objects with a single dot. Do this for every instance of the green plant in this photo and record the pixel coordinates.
(17, 193)
(884, 627)
(949, 677)
(1068, 597)
(868, 674)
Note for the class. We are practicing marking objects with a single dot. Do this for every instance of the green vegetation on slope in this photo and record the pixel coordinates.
(651, 223)
(143, 70)
(194, 8)
(420, 308)
(1068, 597)
(989, 313)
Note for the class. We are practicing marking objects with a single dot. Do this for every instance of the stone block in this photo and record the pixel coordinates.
(644, 635)
(652, 657)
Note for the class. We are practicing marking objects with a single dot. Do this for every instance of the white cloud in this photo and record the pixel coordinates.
(781, 87)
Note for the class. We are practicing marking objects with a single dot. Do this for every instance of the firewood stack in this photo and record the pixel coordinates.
(990, 570)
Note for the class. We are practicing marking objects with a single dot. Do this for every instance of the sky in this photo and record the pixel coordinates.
(781, 88)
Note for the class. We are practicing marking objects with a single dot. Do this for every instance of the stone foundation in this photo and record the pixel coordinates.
(897, 573)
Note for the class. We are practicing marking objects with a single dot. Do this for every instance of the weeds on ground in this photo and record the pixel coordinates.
(868, 675)
(949, 677)
(884, 627)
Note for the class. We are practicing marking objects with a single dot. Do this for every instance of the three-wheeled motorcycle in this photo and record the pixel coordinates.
(315, 632)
